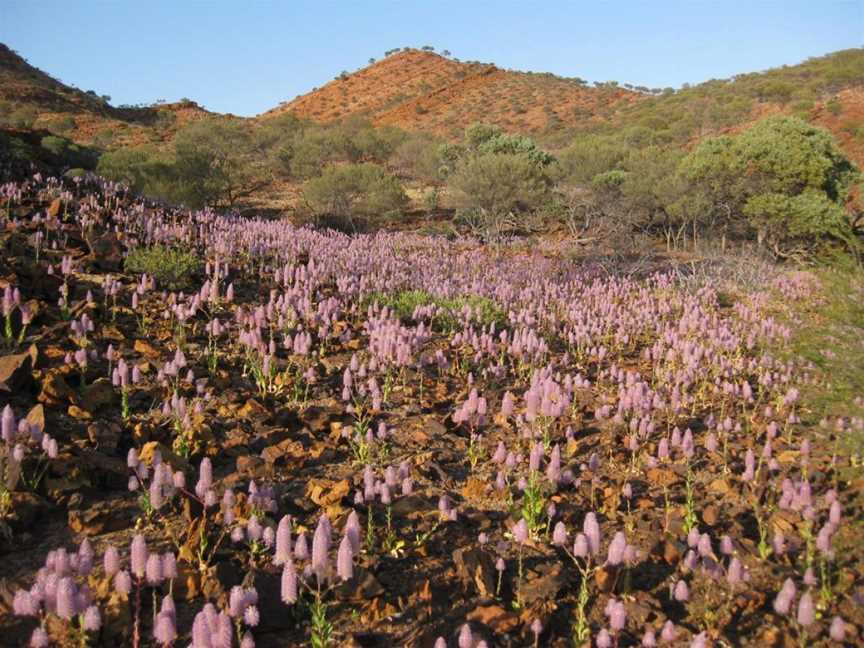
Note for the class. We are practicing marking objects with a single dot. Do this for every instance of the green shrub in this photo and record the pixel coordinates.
(170, 266)
(787, 180)
(499, 183)
(484, 311)
(350, 195)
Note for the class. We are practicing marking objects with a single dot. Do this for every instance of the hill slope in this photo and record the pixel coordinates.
(419, 90)
(30, 98)
(423, 91)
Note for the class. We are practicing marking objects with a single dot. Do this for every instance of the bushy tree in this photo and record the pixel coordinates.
(418, 156)
(216, 163)
(352, 195)
(499, 183)
(786, 180)
(142, 168)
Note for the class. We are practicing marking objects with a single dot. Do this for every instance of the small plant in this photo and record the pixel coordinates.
(171, 267)
(691, 520)
(534, 503)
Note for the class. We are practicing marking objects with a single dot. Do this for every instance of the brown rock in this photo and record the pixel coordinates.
(97, 395)
(147, 349)
(36, 418)
(168, 456)
(719, 486)
(710, 515)
(289, 449)
(112, 333)
(542, 583)
(474, 566)
(112, 471)
(413, 506)
(253, 409)
(433, 427)
(325, 492)
(671, 553)
(25, 509)
(101, 517)
(661, 476)
(251, 466)
(605, 578)
(107, 252)
(104, 435)
(79, 414)
(474, 488)
(56, 391)
(15, 371)
(495, 617)
(54, 208)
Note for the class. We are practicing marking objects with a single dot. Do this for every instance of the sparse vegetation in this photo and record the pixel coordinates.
(170, 266)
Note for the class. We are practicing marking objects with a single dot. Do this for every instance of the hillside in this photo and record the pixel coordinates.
(32, 99)
(423, 91)
(419, 90)
(826, 90)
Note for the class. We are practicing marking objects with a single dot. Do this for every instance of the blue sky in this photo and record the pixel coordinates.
(246, 57)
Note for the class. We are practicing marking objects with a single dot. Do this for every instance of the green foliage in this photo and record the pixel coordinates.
(354, 194)
(591, 155)
(419, 156)
(486, 139)
(516, 145)
(404, 303)
(144, 168)
(171, 267)
(22, 117)
(787, 179)
(62, 124)
(499, 183)
(305, 149)
(54, 144)
(679, 116)
(217, 162)
(66, 153)
(829, 334)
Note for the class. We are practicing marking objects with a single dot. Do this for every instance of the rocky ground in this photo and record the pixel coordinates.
(393, 440)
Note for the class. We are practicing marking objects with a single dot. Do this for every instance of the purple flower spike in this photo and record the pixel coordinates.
(66, 591)
(536, 627)
(138, 556)
(39, 638)
(699, 641)
(345, 560)
(165, 629)
(669, 632)
(783, 600)
(806, 613)
(321, 547)
(153, 569)
(92, 619)
(111, 561)
(289, 583)
(301, 547)
(735, 573)
(604, 639)
(838, 629)
(123, 582)
(617, 547)
(559, 535)
(520, 531)
(591, 529)
(466, 639)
